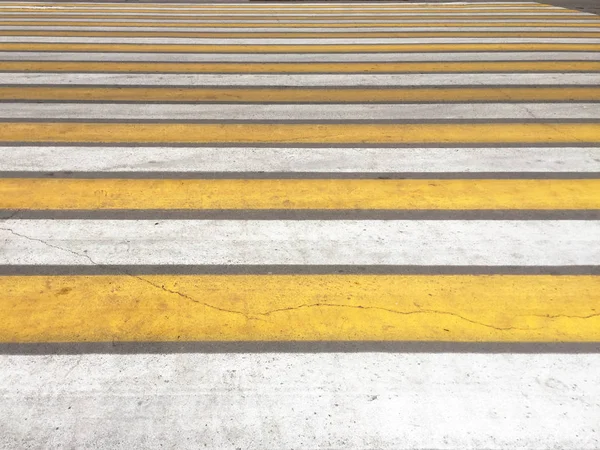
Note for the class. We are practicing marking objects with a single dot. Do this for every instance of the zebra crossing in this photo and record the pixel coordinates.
(253, 185)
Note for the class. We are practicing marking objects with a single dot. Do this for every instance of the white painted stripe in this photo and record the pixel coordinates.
(278, 6)
(268, 112)
(314, 13)
(345, 29)
(235, 4)
(277, 10)
(370, 242)
(293, 10)
(75, 6)
(279, 400)
(248, 159)
(316, 21)
(293, 41)
(479, 79)
(282, 7)
(300, 57)
(241, 5)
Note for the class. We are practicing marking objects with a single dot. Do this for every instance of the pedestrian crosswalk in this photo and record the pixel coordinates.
(299, 172)
(299, 225)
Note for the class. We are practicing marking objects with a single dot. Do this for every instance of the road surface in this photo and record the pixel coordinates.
(299, 225)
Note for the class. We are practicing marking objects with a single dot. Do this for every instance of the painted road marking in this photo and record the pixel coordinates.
(321, 26)
(298, 79)
(300, 308)
(571, 34)
(414, 40)
(525, 102)
(430, 194)
(494, 243)
(505, 389)
(302, 112)
(358, 133)
(484, 161)
(297, 48)
(301, 57)
(35, 30)
(304, 95)
(306, 68)
(497, 251)
(588, 21)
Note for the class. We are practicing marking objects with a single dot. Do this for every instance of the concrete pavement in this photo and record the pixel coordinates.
(299, 225)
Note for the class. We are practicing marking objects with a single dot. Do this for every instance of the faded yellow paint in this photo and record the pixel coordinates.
(355, 133)
(323, 14)
(310, 6)
(299, 308)
(375, 67)
(297, 48)
(104, 194)
(315, 10)
(274, 16)
(287, 95)
(428, 23)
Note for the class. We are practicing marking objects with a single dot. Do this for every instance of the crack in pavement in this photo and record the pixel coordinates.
(124, 272)
(553, 126)
(29, 238)
(257, 315)
(394, 311)
(73, 367)
(192, 299)
(528, 111)
(435, 311)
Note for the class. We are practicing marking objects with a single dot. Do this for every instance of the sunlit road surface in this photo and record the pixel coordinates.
(299, 225)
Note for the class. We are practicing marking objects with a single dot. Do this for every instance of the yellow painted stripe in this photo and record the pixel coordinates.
(564, 15)
(106, 194)
(300, 307)
(238, 12)
(287, 95)
(315, 9)
(239, 35)
(311, 6)
(186, 133)
(284, 48)
(310, 48)
(374, 67)
(447, 24)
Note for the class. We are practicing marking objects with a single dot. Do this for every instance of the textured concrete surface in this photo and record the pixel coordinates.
(429, 243)
(289, 57)
(298, 401)
(301, 112)
(253, 328)
(429, 79)
(278, 160)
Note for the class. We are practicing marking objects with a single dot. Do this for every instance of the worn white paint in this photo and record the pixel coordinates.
(558, 13)
(358, 80)
(298, 401)
(580, 18)
(234, 4)
(300, 57)
(302, 8)
(305, 112)
(283, 159)
(345, 29)
(298, 41)
(369, 242)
